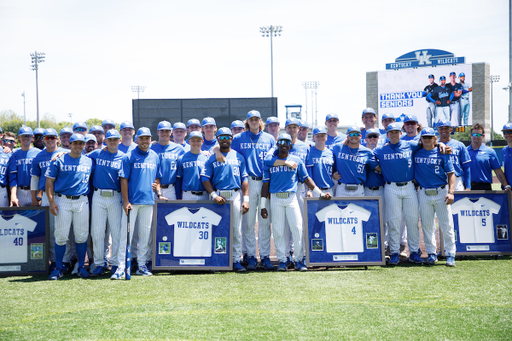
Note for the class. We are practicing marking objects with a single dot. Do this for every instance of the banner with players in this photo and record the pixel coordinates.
(481, 222)
(404, 92)
(24, 239)
(344, 231)
(192, 235)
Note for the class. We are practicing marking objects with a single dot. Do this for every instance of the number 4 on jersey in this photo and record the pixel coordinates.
(353, 230)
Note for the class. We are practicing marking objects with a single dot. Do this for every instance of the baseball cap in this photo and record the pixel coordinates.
(462, 74)
(237, 124)
(453, 73)
(179, 125)
(393, 126)
(144, 131)
(428, 132)
(65, 130)
(113, 134)
(445, 123)
(164, 125)
(332, 115)
(303, 124)
(50, 132)
(507, 126)
(431, 76)
(223, 131)
(105, 122)
(368, 111)
(284, 137)
(253, 113)
(77, 137)
(387, 115)
(411, 118)
(25, 131)
(193, 121)
(39, 131)
(127, 124)
(209, 121)
(79, 125)
(319, 130)
(292, 121)
(353, 128)
(442, 78)
(90, 137)
(196, 134)
(373, 131)
(272, 119)
(98, 129)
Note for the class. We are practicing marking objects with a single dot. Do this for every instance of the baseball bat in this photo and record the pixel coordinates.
(128, 274)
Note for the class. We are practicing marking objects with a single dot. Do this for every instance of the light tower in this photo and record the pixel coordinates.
(312, 85)
(271, 31)
(493, 79)
(37, 57)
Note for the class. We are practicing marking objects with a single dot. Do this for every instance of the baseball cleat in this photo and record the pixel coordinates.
(56, 274)
(299, 266)
(290, 264)
(83, 273)
(266, 263)
(282, 266)
(66, 267)
(415, 258)
(252, 263)
(119, 274)
(237, 267)
(432, 259)
(245, 260)
(98, 271)
(394, 259)
(403, 254)
(105, 266)
(143, 271)
(53, 266)
(450, 261)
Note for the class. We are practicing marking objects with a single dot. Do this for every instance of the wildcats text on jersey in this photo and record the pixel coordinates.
(193, 225)
(339, 221)
(12, 232)
(475, 213)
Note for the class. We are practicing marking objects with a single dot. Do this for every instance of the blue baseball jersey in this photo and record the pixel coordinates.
(144, 169)
(71, 174)
(4, 167)
(453, 88)
(332, 141)
(406, 137)
(352, 163)
(483, 161)
(108, 168)
(225, 175)
(459, 155)
(374, 179)
(207, 145)
(506, 157)
(168, 161)
(126, 149)
(254, 148)
(20, 165)
(319, 166)
(284, 178)
(189, 170)
(441, 93)
(185, 145)
(465, 90)
(431, 167)
(40, 164)
(396, 160)
(299, 149)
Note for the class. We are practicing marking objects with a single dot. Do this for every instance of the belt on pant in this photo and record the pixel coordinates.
(72, 197)
(195, 192)
(283, 195)
(25, 188)
(324, 189)
(340, 183)
(3, 186)
(99, 189)
(480, 183)
(440, 187)
(256, 178)
(376, 188)
(399, 184)
(166, 186)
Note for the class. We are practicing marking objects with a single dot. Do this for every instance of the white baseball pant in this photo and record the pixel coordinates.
(380, 193)
(429, 207)
(71, 211)
(169, 192)
(287, 209)
(103, 209)
(455, 114)
(142, 215)
(464, 111)
(459, 183)
(402, 199)
(236, 223)
(431, 114)
(301, 193)
(249, 222)
(51, 247)
(187, 195)
(4, 198)
(24, 196)
(341, 191)
(443, 113)
(330, 191)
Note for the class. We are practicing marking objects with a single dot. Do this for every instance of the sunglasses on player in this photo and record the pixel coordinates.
(508, 132)
(372, 136)
(38, 137)
(284, 142)
(354, 134)
(50, 138)
(427, 137)
(477, 135)
(411, 123)
(9, 141)
(80, 129)
(224, 138)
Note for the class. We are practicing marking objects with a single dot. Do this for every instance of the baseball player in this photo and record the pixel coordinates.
(80, 128)
(142, 171)
(108, 125)
(98, 132)
(209, 129)
(127, 131)
(369, 118)
(193, 125)
(459, 156)
(189, 167)
(4, 178)
(228, 178)
(456, 92)
(483, 161)
(168, 152)
(1, 136)
(282, 183)
(303, 133)
(464, 99)
(109, 166)
(441, 97)
(436, 177)
(351, 162)
(38, 138)
(90, 143)
(319, 163)
(272, 125)
(411, 128)
(179, 131)
(431, 106)
(237, 127)
(20, 165)
(387, 118)
(8, 141)
(506, 152)
(333, 137)
(67, 185)
(65, 135)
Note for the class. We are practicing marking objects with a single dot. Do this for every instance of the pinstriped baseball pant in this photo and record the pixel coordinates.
(342, 192)
(4, 198)
(287, 210)
(249, 222)
(24, 197)
(72, 211)
(380, 193)
(142, 215)
(187, 195)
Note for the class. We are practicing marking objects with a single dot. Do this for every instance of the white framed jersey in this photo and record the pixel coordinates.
(14, 238)
(476, 224)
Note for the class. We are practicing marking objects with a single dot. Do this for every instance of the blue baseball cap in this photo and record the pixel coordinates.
(224, 131)
(292, 121)
(208, 121)
(179, 125)
(77, 137)
(105, 122)
(431, 76)
(284, 137)
(353, 128)
(193, 121)
(237, 124)
(97, 128)
(164, 125)
(196, 134)
(144, 131)
(39, 131)
(411, 118)
(462, 74)
(387, 115)
(442, 78)
(507, 126)
(373, 131)
(50, 132)
(253, 113)
(25, 131)
(80, 125)
(369, 111)
(65, 130)
(331, 115)
(428, 132)
(127, 124)
(90, 137)
(304, 124)
(393, 126)
(113, 134)
(319, 130)
(453, 73)
(444, 123)
(272, 119)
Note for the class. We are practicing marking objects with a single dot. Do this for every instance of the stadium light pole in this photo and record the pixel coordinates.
(138, 89)
(37, 57)
(24, 112)
(71, 117)
(313, 85)
(493, 79)
(271, 31)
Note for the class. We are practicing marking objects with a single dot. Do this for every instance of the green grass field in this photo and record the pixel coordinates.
(471, 301)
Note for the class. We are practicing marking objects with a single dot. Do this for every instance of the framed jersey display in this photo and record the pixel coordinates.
(192, 235)
(344, 231)
(481, 221)
(24, 238)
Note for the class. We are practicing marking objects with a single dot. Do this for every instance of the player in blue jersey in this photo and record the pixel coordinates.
(333, 136)
(193, 125)
(441, 97)
(67, 186)
(109, 167)
(4, 178)
(459, 156)
(456, 89)
(38, 138)
(209, 129)
(464, 99)
(369, 118)
(20, 165)
(272, 126)
(319, 163)
(303, 133)
(237, 127)
(189, 166)
(483, 161)
(107, 125)
(223, 181)
(431, 106)
(179, 131)
(127, 131)
(143, 170)
(352, 161)
(64, 136)
(169, 153)
(90, 143)
(80, 128)
(436, 177)
(506, 153)
(411, 128)
(99, 134)
(281, 182)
